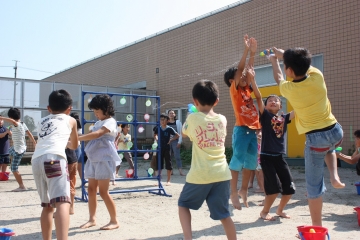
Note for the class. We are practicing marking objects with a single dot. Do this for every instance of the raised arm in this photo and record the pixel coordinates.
(253, 48)
(242, 61)
(9, 120)
(251, 77)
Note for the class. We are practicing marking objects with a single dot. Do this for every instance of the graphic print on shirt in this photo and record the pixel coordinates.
(277, 123)
(211, 136)
(47, 127)
(248, 109)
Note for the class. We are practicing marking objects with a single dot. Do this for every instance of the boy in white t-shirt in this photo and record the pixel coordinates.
(49, 164)
(18, 130)
(209, 175)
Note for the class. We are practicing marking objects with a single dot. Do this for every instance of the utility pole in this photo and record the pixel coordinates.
(16, 61)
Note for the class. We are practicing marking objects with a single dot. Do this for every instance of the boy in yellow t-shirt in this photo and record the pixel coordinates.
(307, 94)
(209, 175)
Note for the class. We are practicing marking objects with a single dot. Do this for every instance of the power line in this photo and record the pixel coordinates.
(30, 69)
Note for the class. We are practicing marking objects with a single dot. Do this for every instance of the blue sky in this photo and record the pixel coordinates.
(51, 36)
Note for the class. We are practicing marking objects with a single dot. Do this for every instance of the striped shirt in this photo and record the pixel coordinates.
(18, 137)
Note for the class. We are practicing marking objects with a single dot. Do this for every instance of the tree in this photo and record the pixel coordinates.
(29, 121)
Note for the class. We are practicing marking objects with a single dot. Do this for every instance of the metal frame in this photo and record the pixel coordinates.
(159, 190)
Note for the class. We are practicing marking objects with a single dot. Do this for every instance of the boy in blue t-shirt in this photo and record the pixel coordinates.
(277, 176)
(165, 133)
(4, 146)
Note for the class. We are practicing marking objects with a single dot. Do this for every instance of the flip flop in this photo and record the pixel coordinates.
(19, 190)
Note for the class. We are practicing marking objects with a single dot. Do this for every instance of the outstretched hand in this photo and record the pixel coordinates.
(250, 72)
(278, 52)
(246, 41)
(253, 45)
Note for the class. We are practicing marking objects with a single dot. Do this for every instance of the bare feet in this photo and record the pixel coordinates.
(19, 189)
(168, 184)
(243, 195)
(71, 212)
(88, 224)
(282, 214)
(182, 174)
(235, 201)
(266, 216)
(336, 183)
(250, 185)
(110, 226)
(262, 203)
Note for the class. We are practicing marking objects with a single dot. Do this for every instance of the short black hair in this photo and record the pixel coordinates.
(77, 118)
(229, 74)
(60, 100)
(163, 115)
(206, 92)
(272, 95)
(102, 102)
(357, 133)
(124, 125)
(14, 113)
(298, 59)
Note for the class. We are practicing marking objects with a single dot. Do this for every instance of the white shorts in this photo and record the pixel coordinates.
(100, 170)
(52, 179)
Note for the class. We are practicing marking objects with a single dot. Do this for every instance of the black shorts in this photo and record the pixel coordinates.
(277, 176)
(4, 159)
(165, 157)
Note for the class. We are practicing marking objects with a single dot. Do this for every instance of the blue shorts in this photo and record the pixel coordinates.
(244, 144)
(4, 159)
(216, 195)
(16, 159)
(317, 145)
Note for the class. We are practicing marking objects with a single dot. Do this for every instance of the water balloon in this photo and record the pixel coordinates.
(148, 103)
(130, 171)
(123, 100)
(129, 118)
(146, 117)
(154, 146)
(121, 156)
(146, 156)
(141, 129)
(129, 145)
(150, 171)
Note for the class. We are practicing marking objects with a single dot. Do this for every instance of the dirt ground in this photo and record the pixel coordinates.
(149, 216)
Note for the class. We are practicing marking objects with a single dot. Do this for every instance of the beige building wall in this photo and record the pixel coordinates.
(206, 48)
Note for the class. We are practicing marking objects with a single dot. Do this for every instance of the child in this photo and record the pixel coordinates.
(307, 94)
(165, 141)
(18, 149)
(124, 138)
(258, 172)
(78, 150)
(354, 159)
(154, 162)
(49, 164)
(4, 146)
(276, 171)
(209, 175)
(244, 142)
(175, 145)
(102, 155)
(72, 167)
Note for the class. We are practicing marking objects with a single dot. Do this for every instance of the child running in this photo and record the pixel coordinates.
(307, 94)
(49, 164)
(102, 155)
(18, 130)
(209, 175)
(277, 176)
(244, 141)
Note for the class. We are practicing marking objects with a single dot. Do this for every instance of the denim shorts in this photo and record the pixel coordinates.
(244, 144)
(216, 194)
(4, 159)
(317, 145)
(16, 159)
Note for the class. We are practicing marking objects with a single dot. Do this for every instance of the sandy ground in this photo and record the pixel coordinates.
(149, 216)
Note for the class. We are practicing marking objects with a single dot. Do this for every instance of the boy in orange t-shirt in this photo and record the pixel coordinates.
(244, 141)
